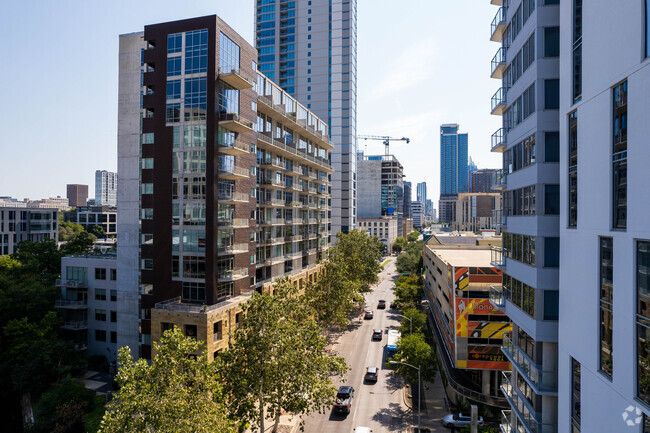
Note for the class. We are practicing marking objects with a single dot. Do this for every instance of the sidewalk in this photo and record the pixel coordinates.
(288, 424)
(433, 407)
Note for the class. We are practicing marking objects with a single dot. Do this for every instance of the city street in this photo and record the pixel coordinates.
(375, 405)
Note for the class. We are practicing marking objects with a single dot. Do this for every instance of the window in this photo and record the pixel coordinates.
(522, 295)
(577, 50)
(190, 331)
(643, 319)
(100, 294)
(113, 295)
(113, 274)
(100, 335)
(218, 330)
(193, 291)
(551, 42)
(552, 199)
(174, 66)
(552, 94)
(100, 273)
(619, 156)
(228, 99)
(575, 396)
(606, 306)
(573, 169)
(147, 264)
(173, 112)
(100, 315)
(551, 252)
(113, 316)
(174, 43)
(174, 89)
(196, 52)
(196, 98)
(552, 146)
(113, 337)
(228, 54)
(551, 304)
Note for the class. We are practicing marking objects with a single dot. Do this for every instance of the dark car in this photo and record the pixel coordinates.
(371, 374)
(368, 314)
(393, 304)
(377, 334)
(343, 401)
(381, 305)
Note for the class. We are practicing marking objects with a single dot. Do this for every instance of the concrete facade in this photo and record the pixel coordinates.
(105, 188)
(384, 228)
(77, 194)
(474, 211)
(26, 224)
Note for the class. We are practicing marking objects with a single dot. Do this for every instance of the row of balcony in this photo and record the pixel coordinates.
(293, 221)
(543, 382)
(232, 274)
(280, 108)
(527, 416)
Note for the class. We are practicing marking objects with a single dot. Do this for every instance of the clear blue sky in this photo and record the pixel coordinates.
(420, 65)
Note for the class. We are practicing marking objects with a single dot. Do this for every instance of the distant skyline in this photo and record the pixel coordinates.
(60, 113)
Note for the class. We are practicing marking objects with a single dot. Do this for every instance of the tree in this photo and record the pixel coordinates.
(68, 231)
(179, 392)
(413, 236)
(277, 361)
(411, 262)
(97, 231)
(416, 323)
(61, 408)
(82, 243)
(412, 349)
(408, 291)
(42, 258)
(350, 268)
(399, 245)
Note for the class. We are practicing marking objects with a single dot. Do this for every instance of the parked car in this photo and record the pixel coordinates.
(377, 334)
(368, 314)
(393, 304)
(362, 430)
(459, 420)
(343, 401)
(371, 374)
(381, 305)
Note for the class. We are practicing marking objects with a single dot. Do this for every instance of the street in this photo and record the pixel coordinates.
(375, 405)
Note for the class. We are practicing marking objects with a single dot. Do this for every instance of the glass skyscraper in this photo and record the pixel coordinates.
(309, 47)
(453, 160)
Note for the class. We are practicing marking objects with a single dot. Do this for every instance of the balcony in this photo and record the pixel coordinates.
(271, 240)
(498, 64)
(271, 221)
(504, 425)
(498, 256)
(232, 223)
(497, 298)
(232, 122)
(527, 416)
(308, 175)
(499, 102)
(75, 325)
(232, 249)
(498, 25)
(272, 163)
(266, 100)
(309, 189)
(272, 202)
(72, 284)
(273, 183)
(71, 305)
(233, 173)
(234, 148)
(499, 180)
(496, 2)
(235, 79)
(232, 274)
(292, 204)
(498, 141)
(233, 197)
(543, 382)
(499, 218)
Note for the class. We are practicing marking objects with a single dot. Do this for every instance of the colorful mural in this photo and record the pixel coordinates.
(487, 358)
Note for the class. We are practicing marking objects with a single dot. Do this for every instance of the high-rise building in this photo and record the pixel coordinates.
(407, 200)
(380, 188)
(77, 194)
(26, 224)
(481, 180)
(222, 188)
(105, 188)
(422, 192)
(604, 327)
(475, 210)
(417, 208)
(428, 210)
(453, 160)
(310, 49)
(527, 65)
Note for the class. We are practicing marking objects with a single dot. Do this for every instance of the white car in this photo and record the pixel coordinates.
(362, 430)
(459, 420)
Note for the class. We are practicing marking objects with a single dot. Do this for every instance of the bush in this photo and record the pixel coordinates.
(93, 419)
(98, 363)
(65, 402)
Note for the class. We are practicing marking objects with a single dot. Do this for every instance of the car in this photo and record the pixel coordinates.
(371, 374)
(381, 305)
(368, 314)
(393, 304)
(459, 420)
(377, 334)
(362, 429)
(343, 401)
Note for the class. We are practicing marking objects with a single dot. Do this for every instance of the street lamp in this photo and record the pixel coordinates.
(419, 385)
(410, 320)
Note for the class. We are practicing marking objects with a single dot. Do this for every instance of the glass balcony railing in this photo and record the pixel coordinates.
(498, 103)
(498, 63)
(543, 381)
(499, 217)
(498, 140)
(528, 417)
(498, 25)
(504, 425)
(496, 297)
(498, 256)
(499, 179)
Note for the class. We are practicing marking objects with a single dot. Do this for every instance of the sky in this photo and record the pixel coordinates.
(420, 65)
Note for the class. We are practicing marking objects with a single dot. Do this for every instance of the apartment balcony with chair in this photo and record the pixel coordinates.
(235, 78)
(498, 63)
(498, 25)
(499, 179)
(232, 274)
(498, 256)
(527, 416)
(543, 382)
(498, 141)
(498, 102)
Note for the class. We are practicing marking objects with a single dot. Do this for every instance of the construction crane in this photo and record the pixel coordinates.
(385, 139)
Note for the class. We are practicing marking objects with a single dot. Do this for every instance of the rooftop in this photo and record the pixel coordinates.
(479, 258)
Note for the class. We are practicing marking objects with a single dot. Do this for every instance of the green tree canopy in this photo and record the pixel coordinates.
(97, 231)
(417, 321)
(399, 245)
(277, 361)
(68, 231)
(179, 392)
(42, 258)
(413, 236)
(82, 243)
(414, 350)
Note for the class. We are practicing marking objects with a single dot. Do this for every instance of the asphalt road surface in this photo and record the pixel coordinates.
(376, 405)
